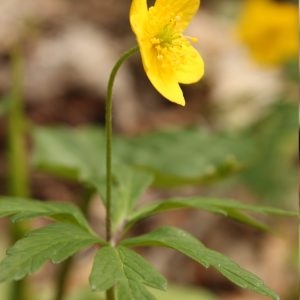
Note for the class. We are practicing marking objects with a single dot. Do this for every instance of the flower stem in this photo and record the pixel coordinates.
(110, 294)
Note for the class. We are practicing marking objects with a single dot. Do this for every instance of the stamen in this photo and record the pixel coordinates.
(191, 38)
(155, 40)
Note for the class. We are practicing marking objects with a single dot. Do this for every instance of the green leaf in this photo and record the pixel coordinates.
(191, 247)
(200, 156)
(272, 175)
(177, 292)
(107, 269)
(129, 184)
(187, 156)
(130, 290)
(79, 155)
(56, 242)
(230, 208)
(70, 153)
(126, 269)
(23, 208)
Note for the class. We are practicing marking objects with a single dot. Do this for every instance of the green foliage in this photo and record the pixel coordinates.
(21, 209)
(186, 156)
(126, 269)
(119, 266)
(56, 242)
(200, 157)
(260, 156)
(272, 172)
(178, 157)
(186, 293)
(230, 208)
(129, 184)
(191, 247)
(174, 293)
(74, 154)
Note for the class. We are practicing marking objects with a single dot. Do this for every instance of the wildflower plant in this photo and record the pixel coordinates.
(119, 271)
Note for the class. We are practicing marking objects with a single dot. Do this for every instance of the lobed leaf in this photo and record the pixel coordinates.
(22, 208)
(230, 208)
(126, 269)
(70, 153)
(187, 156)
(188, 245)
(56, 242)
(77, 156)
(199, 156)
(129, 184)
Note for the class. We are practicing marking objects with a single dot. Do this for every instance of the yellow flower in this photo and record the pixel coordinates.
(167, 55)
(270, 30)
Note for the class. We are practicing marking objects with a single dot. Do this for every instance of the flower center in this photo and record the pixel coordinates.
(170, 48)
(168, 42)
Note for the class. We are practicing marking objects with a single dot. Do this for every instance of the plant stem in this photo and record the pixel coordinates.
(110, 294)
(18, 173)
(62, 278)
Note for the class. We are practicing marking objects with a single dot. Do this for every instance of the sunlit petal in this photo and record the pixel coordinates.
(163, 79)
(182, 10)
(138, 15)
(192, 69)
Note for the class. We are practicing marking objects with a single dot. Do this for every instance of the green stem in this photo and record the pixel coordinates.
(62, 278)
(110, 294)
(18, 173)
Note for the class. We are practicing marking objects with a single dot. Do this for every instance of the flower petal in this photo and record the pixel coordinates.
(193, 67)
(184, 9)
(138, 15)
(162, 76)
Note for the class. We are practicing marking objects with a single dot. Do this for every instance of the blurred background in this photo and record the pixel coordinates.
(55, 59)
